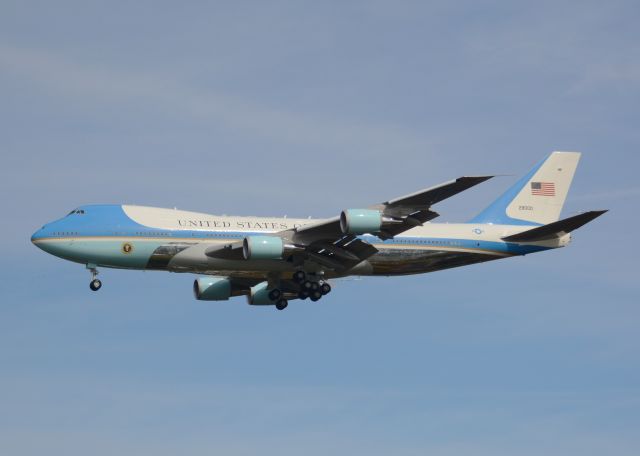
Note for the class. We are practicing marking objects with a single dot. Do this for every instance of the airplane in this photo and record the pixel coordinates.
(274, 260)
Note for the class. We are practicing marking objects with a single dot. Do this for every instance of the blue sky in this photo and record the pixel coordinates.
(305, 108)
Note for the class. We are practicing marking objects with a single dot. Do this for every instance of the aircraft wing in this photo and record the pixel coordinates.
(333, 252)
(332, 243)
(231, 251)
(402, 213)
(424, 199)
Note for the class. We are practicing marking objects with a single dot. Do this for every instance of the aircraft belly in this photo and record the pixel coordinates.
(181, 257)
(417, 261)
(194, 259)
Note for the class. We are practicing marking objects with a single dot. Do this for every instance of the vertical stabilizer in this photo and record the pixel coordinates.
(538, 197)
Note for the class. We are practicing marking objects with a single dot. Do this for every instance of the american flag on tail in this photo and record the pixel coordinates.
(543, 188)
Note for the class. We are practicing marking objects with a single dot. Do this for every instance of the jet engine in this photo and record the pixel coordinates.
(360, 221)
(212, 289)
(259, 295)
(262, 248)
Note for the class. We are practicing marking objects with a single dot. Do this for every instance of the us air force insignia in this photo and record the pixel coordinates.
(127, 248)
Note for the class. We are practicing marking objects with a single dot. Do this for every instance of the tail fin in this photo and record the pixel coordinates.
(538, 197)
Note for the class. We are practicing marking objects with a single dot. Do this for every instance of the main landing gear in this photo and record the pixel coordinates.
(95, 283)
(276, 296)
(311, 286)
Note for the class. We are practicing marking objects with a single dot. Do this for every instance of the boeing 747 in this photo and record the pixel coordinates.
(272, 260)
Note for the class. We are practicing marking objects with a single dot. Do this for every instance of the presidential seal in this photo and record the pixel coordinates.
(127, 248)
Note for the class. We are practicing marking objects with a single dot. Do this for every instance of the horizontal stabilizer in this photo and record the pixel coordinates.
(554, 229)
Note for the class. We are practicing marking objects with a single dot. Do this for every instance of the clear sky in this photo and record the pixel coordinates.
(306, 108)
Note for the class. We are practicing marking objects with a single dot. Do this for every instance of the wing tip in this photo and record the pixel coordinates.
(475, 179)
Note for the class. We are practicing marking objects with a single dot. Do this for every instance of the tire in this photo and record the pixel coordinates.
(299, 276)
(303, 295)
(315, 295)
(325, 288)
(275, 294)
(315, 286)
(281, 304)
(307, 285)
(95, 285)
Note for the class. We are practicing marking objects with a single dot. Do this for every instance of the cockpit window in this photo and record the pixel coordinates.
(76, 211)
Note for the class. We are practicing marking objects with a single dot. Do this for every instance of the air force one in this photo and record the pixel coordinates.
(275, 260)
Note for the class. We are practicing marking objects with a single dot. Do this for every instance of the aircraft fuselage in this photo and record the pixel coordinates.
(146, 238)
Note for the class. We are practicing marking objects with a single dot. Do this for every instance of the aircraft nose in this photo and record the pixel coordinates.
(35, 237)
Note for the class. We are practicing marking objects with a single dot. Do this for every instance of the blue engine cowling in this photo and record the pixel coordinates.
(360, 221)
(262, 248)
(259, 295)
(212, 289)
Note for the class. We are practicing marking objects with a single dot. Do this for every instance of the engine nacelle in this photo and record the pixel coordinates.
(262, 248)
(360, 221)
(259, 295)
(212, 289)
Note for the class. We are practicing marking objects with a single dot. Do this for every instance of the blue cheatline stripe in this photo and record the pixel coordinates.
(420, 242)
(453, 243)
(496, 212)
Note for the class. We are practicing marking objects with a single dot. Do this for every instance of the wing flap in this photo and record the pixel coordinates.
(342, 254)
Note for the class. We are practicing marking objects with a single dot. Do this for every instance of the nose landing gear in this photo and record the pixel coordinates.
(95, 283)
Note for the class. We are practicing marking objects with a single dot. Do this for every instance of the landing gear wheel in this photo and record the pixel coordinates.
(95, 284)
(281, 304)
(315, 295)
(299, 276)
(307, 285)
(315, 286)
(303, 295)
(325, 288)
(275, 294)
